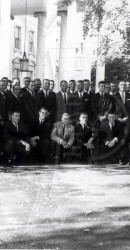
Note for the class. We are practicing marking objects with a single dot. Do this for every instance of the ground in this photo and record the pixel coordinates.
(65, 207)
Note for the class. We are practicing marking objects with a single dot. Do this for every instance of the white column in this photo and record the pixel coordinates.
(63, 45)
(100, 67)
(40, 58)
(5, 9)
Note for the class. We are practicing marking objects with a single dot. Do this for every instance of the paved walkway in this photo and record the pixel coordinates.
(65, 207)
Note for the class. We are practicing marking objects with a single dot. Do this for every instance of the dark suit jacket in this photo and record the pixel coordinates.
(11, 132)
(31, 105)
(101, 106)
(49, 103)
(82, 135)
(122, 109)
(107, 134)
(3, 108)
(14, 103)
(42, 130)
(23, 90)
(61, 105)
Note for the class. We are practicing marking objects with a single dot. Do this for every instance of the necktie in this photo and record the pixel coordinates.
(63, 130)
(80, 94)
(64, 97)
(123, 97)
(46, 94)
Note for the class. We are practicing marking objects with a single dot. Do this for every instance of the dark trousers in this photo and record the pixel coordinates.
(43, 150)
(57, 150)
(12, 148)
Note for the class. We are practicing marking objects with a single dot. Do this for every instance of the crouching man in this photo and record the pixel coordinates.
(16, 139)
(84, 137)
(62, 137)
(39, 132)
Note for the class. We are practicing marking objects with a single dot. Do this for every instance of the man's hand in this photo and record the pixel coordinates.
(89, 145)
(33, 141)
(63, 143)
(27, 145)
(102, 118)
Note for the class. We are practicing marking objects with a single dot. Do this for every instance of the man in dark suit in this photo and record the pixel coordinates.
(83, 137)
(112, 137)
(26, 82)
(37, 84)
(101, 104)
(14, 101)
(16, 141)
(32, 102)
(62, 137)
(62, 100)
(88, 98)
(3, 112)
(39, 132)
(48, 99)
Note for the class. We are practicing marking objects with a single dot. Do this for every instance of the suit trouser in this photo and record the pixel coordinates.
(12, 148)
(43, 149)
(57, 150)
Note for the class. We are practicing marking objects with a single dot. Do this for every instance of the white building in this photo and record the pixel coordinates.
(54, 41)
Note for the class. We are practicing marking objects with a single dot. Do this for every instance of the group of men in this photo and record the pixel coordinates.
(40, 125)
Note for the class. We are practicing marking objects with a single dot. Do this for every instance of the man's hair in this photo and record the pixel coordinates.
(43, 108)
(101, 82)
(65, 114)
(72, 81)
(83, 113)
(46, 80)
(86, 80)
(15, 111)
(112, 113)
(27, 77)
(37, 79)
(62, 82)
(80, 81)
(4, 78)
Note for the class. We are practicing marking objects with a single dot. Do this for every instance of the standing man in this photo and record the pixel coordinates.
(37, 84)
(113, 88)
(62, 137)
(88, 98)
(101, 104)
(48, 99)
(31, 103)
(52, 85)
(26, 82)
(62, 100)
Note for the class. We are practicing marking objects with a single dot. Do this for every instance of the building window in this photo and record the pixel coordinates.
(31, 41)
(17, 73)
(18, 37)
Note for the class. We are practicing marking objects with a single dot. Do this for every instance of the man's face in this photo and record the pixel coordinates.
(83, 119)
(128, 86)
(72, 86)
(111, 118)
(107, 88)
(86, 85)
(26, 82)
(31, 86)
(46, 84)
(51, 85)
(3, 86)
(122, 86)
(37, 85)
(65, 119)
(15, 117)
(17, 90)
(113, 87)
(43, 114)
(79, 86)
(64, 86)
(102, 87)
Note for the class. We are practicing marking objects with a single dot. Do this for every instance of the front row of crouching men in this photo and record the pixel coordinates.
(41, 141)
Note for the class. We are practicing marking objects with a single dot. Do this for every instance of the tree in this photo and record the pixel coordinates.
(104, 17)
(116, 69)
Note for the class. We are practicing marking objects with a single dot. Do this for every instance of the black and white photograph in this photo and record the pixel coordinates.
(65, 124)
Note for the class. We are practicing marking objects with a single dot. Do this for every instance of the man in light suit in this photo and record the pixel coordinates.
(62, 137)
